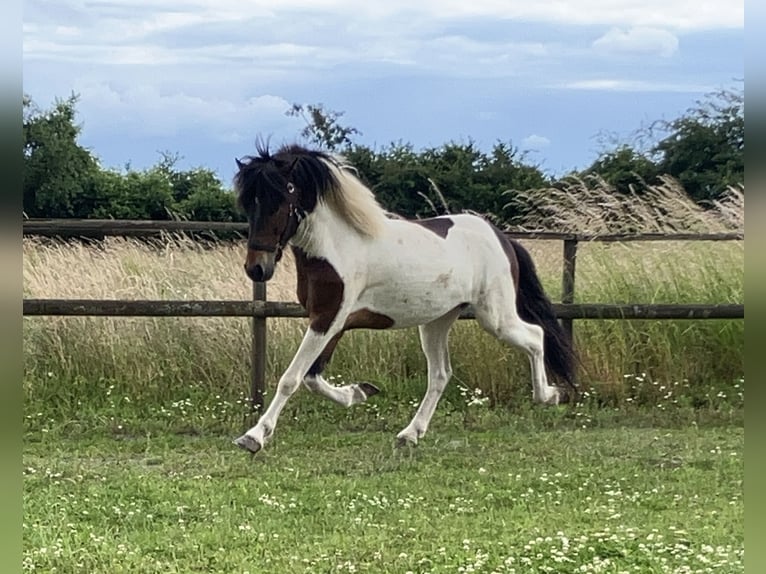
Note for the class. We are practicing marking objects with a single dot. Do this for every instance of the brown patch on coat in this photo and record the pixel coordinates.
(366, 319)
(439, 225)
(361, 319)
(320, 291)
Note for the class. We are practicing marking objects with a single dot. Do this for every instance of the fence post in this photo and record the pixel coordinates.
(258, 374)
(568, 279)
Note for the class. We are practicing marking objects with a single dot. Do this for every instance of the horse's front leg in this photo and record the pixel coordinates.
(312, 345)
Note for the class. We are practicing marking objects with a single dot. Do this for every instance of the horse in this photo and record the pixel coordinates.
(358, 268)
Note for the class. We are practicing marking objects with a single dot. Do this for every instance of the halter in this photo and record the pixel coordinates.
(294, 218)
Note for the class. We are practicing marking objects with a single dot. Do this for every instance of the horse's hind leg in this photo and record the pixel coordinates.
(434, 342)
(498, 316)
(345, 395)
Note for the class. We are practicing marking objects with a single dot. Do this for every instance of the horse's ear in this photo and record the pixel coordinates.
(240, 165)
(292, 165)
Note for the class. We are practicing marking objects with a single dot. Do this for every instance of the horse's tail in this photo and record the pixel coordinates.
(534, 307)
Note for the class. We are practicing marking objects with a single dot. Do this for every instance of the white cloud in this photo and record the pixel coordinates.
(622, 85)
(672, 14)
(535, 142)
(638, 41)
(459, 55)
(362, 29)
(147, 111)
(264, 37)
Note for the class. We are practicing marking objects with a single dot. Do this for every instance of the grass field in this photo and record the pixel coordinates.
(544, 490)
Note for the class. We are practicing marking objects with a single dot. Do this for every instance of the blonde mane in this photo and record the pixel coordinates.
(354, 201)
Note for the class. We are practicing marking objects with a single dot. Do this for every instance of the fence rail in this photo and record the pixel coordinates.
(259, 309)
(267, 309)
(87, 228)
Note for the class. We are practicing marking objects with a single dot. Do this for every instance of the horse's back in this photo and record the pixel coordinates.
(418, 271)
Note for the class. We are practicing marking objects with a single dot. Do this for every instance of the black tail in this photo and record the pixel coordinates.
(535, 307)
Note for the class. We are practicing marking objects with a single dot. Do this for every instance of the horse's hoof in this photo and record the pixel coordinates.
(403, 441)
(368, 389)
(564, 397)
(553, 401)
(248, 443)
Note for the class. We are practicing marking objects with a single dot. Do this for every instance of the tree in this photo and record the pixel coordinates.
(504, 172)
(210, 204)
(397, 176)
(625, 168)
(58, 172)
(460, 175)
(705, 148)
(323, 126)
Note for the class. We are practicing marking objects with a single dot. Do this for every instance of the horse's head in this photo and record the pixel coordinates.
(276, 192)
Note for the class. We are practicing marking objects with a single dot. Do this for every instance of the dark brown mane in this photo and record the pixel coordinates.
(266, 176)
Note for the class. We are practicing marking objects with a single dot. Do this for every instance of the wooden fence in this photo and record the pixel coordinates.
(260, 309)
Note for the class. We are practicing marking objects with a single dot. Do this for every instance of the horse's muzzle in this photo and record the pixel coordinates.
(259, 265)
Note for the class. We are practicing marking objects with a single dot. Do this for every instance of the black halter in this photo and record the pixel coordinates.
(296, 215)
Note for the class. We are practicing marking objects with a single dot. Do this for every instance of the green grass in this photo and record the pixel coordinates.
(118, 483)
(560, 490)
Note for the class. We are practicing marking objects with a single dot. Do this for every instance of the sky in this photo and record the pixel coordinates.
(203, 79)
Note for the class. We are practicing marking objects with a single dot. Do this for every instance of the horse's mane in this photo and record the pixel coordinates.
(328, 178)
(353, 200)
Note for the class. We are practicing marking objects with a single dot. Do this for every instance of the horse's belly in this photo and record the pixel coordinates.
(408, 306)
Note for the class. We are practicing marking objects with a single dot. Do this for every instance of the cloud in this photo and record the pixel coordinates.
(72, 28)
(535, 142)
(622, 85)
(685, 15)
(262, 39)
(218, 69)
(670, 14)
(146, 111)
(460, 55)
(638, 41)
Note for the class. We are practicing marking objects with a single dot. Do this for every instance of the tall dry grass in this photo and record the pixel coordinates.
(591, 206)
(160, 359)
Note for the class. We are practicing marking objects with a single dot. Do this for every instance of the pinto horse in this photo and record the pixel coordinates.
(358, 268)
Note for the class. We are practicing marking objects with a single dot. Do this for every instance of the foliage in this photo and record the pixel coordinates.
(62, 179)
(58, 172)
(323, 127)
(455, 176)
(450, 178)
(703, 150)
(198, 194)
(626, 169)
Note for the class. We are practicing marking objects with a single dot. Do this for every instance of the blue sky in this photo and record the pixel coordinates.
(205, 78)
